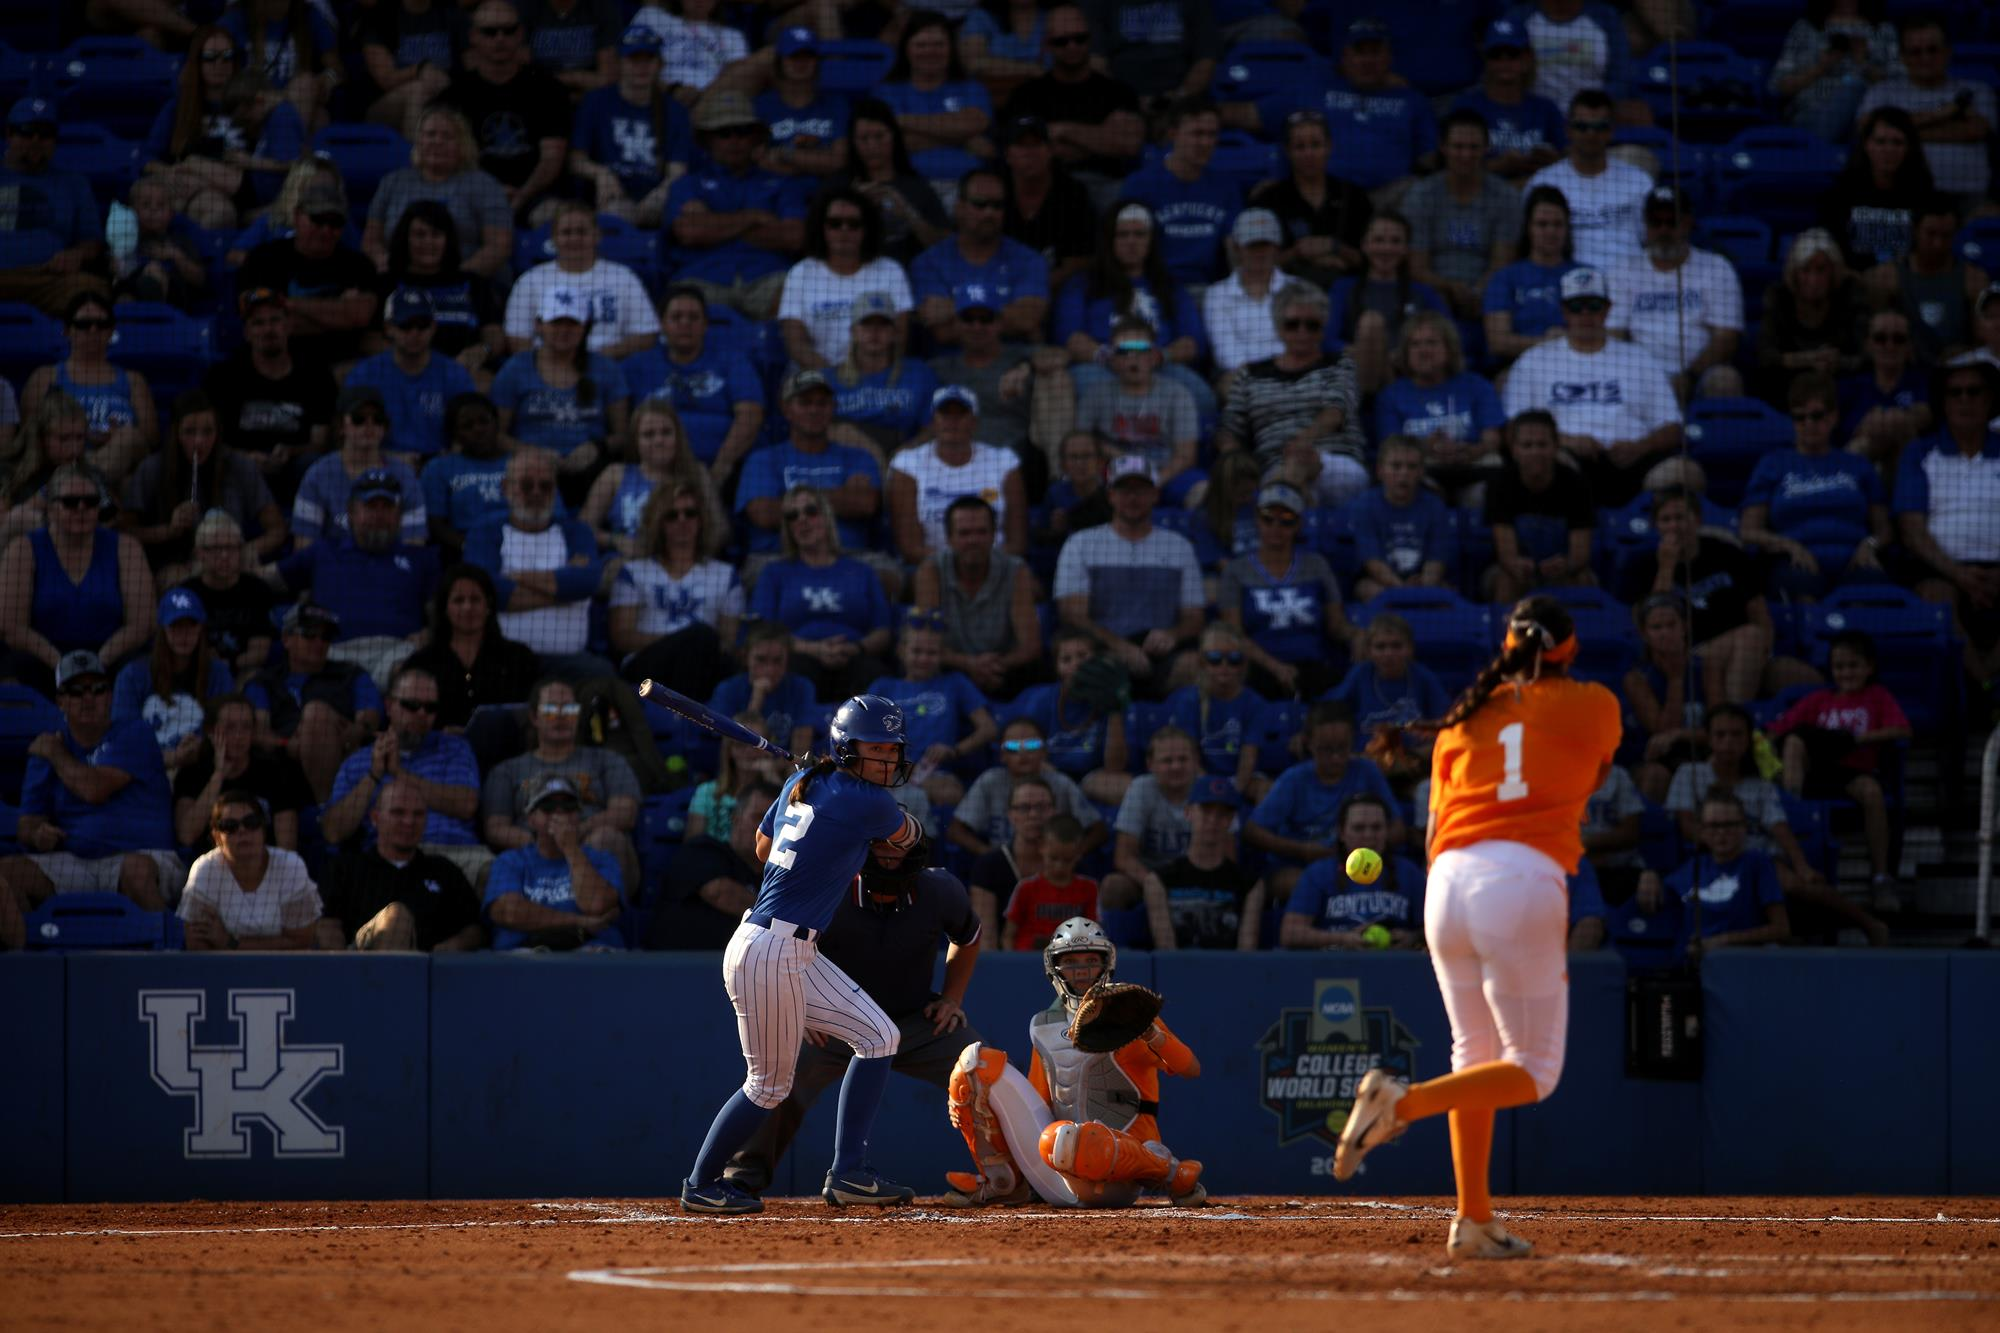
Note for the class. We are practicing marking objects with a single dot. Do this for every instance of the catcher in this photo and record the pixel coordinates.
(1080, 1129)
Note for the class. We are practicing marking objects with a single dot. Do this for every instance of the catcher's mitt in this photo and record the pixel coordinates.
(1111, 1014)
(1102, 685)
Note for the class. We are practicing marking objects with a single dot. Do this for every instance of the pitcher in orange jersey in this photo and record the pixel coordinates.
(1517, 756)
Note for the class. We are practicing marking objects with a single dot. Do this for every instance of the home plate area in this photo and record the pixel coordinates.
(1242, 1263)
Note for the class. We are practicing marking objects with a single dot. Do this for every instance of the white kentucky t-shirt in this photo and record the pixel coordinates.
(823, 301)
(564, 628)
(1618, 393)
(285, 900)
(939, 484)
(617, 301)
(1606, 211)
(1682, 307)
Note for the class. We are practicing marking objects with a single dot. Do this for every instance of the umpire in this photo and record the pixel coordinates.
(886, 943)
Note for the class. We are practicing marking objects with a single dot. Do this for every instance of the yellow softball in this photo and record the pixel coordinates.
(1363, 866)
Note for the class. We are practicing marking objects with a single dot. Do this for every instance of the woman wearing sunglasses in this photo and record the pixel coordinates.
(247, 894)
(123, 423)
(57, 432)
(1223, 714)
(674, 606)
(73, 584)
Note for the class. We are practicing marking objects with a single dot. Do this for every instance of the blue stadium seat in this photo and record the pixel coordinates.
(1756, 28)
(119, 82)
(108, 162)
(172, 350)
(1749, 246)
(28, 339)
(1282, 721)
(662, 825)
(365, 154)
(1728, 435)
(68, 921)
(1979, 243)
(1128, 927)
(1777, 173)
(1812, 824)
(853, 64)
(1141, 721)
(1454, 636)
(1475, 549)
(1917, 657)
(26, 248)
(24, 715)
(18, 73)
(1649, 943)
(1721, 91)
(1255, 70)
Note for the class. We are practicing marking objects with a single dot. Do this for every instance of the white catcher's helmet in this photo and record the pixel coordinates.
(1079, 934)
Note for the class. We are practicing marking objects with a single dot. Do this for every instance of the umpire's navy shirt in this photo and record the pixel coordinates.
(893, 954)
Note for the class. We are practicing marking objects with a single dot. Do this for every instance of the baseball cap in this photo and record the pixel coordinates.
(31, 111)
(872, 305)
(357, 396)
(408, 305)
(563, 303)
(720, 111)
(259, 296)
(1505, 34)
(1366, 30)
(1992, 290)
(1127, 466)
(1580, 284)
(80, 663)
(976, 296)
(309, 616)
(179, 604)
(1256, 226)
(955, 393)
(320, 199)
(550, 787)
(1212, 790)
(1666, 199)
(804, 380)
(1277, 495)
(792, 41)
(377, 483)
(1026, 127)
(640, 40)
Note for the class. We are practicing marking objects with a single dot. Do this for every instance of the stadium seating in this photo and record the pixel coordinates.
(1610, 644)
(69, 921)
(1252, 71)
(17, 73)
(108, 162)
(172, 350)
(1917, 655)
(24, 715)
(1776, 173)
(854, 65)
(1720, 91)
(1142, 719)
(365, 154)
(1728, 435)
(28, 339)
(1454, 637)
(118, 82)
(1979, 243)
(1649, 942)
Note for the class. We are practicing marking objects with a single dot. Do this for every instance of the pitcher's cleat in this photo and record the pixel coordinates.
(864, 1186)
(970, 1191)
(1484, 1240)
(1371, 1123)
(722, 1199)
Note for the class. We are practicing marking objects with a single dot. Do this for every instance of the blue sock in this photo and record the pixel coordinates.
(738, 1119)
(860, 1098)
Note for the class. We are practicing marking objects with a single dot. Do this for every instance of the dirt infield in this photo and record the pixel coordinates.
(1261, 1263)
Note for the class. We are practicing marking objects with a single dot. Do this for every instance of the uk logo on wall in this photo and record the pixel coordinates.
(1312, 1059)
(259, 1079)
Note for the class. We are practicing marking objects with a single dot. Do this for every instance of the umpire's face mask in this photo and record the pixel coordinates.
(889, 879)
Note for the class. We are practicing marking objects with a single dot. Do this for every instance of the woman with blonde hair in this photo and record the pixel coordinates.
(1815, 316)
(1453, 413)
(57, 432)
(842, 650)
(675, 608)
(444, 166)
(239, 609)
(654, 453)
(274, 221)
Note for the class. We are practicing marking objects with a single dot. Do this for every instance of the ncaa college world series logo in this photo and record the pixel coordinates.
(1314, 1058)
(260, 1078)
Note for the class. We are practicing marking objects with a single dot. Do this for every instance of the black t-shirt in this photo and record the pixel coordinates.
(1090, 102)
(1344, 216)
(412, 39)
(276, 778)
(891, 953)
(1567, 500)
(357, 885)
(1719, 583)
(503, 673)
(994, 871)
(1066, 226)
(258, 414)
(511, 119)
(1207, 905)
(279, 265)
(236, 615)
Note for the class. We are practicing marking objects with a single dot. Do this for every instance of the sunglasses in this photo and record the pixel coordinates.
(1590, 126)
(1215, 658)
(97, 324)
(311, 632)
(1070, 39)
(1589, 306)
(218, 57)
(560, 710)
(249, 823)
(536, 486)
(1304, 325)
(32, 131)
(95, 690)
(77, 501)
(1889, 339)
(1278, 518)
(992, 204)
(675, 515)
(1966, 391)
(497, 29)
(1816, 414)
(794, 515)
(978, 317)
(559, 806)
(367, 419)
(1029, 746)
(1135, 345)
(331, 221)
(418, 325)
(843, 222)
(740, 132)
(417, 705)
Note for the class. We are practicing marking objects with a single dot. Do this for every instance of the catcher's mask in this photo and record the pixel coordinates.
(1079, 934)
(900, 880)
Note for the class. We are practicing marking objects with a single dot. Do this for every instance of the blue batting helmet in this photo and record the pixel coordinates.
(870, 718)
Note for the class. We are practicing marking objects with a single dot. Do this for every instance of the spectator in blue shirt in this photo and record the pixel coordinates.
(415, 382)
(1128, 276)
(1383, 129)
(1366, 312)
(848, 476)
(561, 396)
(1886, 404)
(943, 113)
(1524, 299)
(56, 204)
(314, 709)
(293, 47)
(1297, 821)
(1285, 599)
(734, 225)
(320, 510)
(1821, 510)
(833, 604)
(1403, 534)
(1223, 714)
(1194, 205)
(1327, 910)
(465, 485)
(1741, 901)
(1526, 132)
(981, 263)
(946, 719)
(808, 124)
(169, 687)
(1452, 413)
(698, 368)
(882, 400)
(555, 893)
(1388, 687)
(96, 811)
(631, 140)
(768, 687)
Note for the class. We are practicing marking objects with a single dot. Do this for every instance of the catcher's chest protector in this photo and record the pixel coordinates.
(1082, 1086)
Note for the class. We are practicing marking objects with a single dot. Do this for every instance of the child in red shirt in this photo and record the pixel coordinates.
(1832, 745)
(1039, 905)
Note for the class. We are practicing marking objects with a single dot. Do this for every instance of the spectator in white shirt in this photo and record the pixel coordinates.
(1612, 401)
(622, 319)
(843, 261)
(1237, 310)
(1683, 305)
(545, 568)
(247, 894)
(1605, 195)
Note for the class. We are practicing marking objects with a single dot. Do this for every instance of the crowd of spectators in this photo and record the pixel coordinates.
(1111, 408)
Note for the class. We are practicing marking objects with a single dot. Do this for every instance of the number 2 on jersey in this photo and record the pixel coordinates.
(798, 817)
(1511, 787)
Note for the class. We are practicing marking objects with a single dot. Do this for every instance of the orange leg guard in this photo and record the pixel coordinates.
(975, 1120)
(1093, 1150)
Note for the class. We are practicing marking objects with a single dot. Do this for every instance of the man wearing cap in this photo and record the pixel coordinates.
(1026, 397)
(1048, 210)
(621, 316)
(1284, 597)
(1606, 197)
(1192, 204)
(321, 507)
(329, 289)
(715, 390)
(1092, 121)
(1947, 510)
(175, 714)
(1612, 401)
(58, 250)
(1683, 305)
(1138, 413)
(96, 811)
(415, 383)
(379, 586)
(599, 778)
(272, 404)
(1464, 222)
(314, 709)
(808, 124)
(1327, 910)
(734, 225)
(519, 113)
(544, 568)
(1134, 588)
(926, 478)
(849, 476)
(631, 142)
(1237, 310)
(1205, 898)
(1014, 277)
(1525, 130)
(393, 895)
(553, 892)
